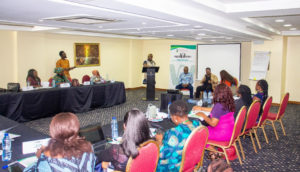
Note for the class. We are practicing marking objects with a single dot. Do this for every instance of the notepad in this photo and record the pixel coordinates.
(33, 146)
(28, 161)
(193, 114)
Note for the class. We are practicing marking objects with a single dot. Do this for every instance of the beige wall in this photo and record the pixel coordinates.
(292, 68)
(121, 59)
(8, 69)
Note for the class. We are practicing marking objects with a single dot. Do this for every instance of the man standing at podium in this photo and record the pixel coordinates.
(186, 81)
(148, 63)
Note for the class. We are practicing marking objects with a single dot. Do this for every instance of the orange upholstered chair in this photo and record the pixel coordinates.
(250, 123)
(193, 150)
(147, 159)
(273, 117)
(262, 120)
(235, 136)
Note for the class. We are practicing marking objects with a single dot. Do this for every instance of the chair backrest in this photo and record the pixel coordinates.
(147, 159)
(283, 105)
(85, 78)
(193, 149)
(252, 115)
(238, 124)
(265, 111)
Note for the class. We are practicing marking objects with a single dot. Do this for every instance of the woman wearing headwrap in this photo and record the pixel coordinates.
(60, 77)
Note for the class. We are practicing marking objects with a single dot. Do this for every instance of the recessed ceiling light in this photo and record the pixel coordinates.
(144, 23)
(279, 20)
(198, 38)
(293, 28)
(287, 25)
(100, 26)
(213, 40)
(170, 35)
(201, 34)
(138, 29)
(228, 38)
(41, 20)
(197, 27)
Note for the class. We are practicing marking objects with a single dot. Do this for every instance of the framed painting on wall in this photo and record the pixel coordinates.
(86, 54)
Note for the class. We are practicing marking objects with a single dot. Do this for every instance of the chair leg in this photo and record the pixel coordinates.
(241, 147)
(257, 140)
(266, 137)
(283, 130)
(252, 140)
(226, 156)
(274, 130)
(237, 152)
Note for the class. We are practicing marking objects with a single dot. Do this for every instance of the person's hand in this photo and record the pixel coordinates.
(184, 85)
(105, 165)
(159, 137)
(39, 151)
(201, 114)
(209, 81)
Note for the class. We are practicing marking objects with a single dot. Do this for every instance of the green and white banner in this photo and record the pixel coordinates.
(181, 55)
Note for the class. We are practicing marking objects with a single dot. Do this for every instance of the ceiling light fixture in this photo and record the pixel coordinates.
(100, 26)
(228, 38)
(213, 40)
(198, 38)
(287, 25)
(279, 20)
(144, 23)
(197, 27)
(293, 28)
(201, 34)
(170, 35)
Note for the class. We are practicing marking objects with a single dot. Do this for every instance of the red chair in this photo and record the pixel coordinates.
(147, 159)
(235, 136)
(262, 120)
(193, 150)
(273, 117)
(250, 123)
(85, 78)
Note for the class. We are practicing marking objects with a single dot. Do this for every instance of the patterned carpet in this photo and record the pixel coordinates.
(277, 156)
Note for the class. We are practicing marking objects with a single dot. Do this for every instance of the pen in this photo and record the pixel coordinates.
(12, 163)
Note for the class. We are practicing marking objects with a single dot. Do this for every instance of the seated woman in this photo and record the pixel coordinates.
(33, 79)
(66, 151)
(220, 120)
(96, 77)
(136, 131)
(60, 77)
(262, 93)
(75, 83)
(172, 142)
(245, 99)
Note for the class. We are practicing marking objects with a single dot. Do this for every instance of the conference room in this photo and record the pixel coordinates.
(102, 59)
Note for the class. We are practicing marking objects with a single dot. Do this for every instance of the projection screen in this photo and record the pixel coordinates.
(219, 57)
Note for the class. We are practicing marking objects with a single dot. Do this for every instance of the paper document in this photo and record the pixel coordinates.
(193, 114)
(28, 161)
(33, 146)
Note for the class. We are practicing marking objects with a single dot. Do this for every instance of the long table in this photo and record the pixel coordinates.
(27, 134)
(30, 105)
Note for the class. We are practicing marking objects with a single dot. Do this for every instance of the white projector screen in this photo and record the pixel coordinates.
(219, 57)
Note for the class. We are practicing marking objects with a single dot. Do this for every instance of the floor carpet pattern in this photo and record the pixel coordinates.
(282, 155)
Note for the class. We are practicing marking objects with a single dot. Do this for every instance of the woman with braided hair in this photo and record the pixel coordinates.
(66, 150)
(262, 93)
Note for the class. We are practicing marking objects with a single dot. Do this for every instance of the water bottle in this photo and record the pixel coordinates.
(53, 83)
(209, 98)
(6, 146)
(114, 128)
(169, 115)
(205, 97)
(91, 82)
(28, 84)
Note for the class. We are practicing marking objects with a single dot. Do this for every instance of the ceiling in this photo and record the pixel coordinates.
(196, 20)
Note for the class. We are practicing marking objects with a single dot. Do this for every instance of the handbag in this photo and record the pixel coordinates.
(13, 87)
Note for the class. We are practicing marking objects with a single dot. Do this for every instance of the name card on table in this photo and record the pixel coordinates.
(86, 83)
(45, 84)
(29, 88)
(33, 146)
(65, 85)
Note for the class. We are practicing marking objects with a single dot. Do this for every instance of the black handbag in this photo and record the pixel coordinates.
(13, 87)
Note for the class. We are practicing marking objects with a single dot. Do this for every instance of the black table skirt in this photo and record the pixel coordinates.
(30, 105)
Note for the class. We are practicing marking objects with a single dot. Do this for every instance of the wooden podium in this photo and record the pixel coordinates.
(150, 91)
